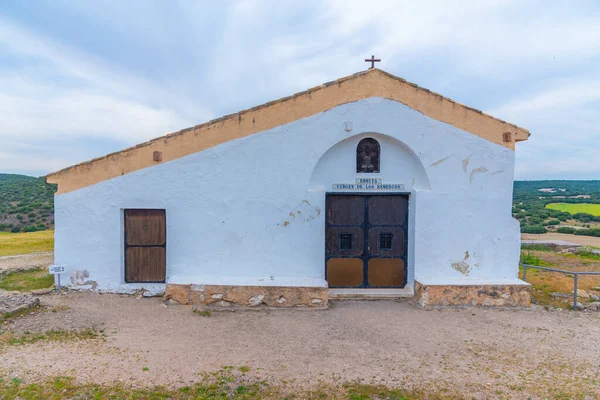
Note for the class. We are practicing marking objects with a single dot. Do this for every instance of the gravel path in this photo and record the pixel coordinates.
(483, 352)
(33, 260)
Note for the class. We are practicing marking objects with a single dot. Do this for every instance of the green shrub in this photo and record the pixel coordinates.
(588, 232)
(565, 229)
(553, 222)
(15, 229)
(30, 228)
(530, 259)
(533, 229)
(31, 214)
(535, 221)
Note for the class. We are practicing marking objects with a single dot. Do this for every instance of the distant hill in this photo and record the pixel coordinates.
(26, 203)
(565, 191)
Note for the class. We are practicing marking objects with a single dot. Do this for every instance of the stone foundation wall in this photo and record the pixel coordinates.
(473, 295)
(248, 296)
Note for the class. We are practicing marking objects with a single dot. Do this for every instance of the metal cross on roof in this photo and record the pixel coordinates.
(372, 60)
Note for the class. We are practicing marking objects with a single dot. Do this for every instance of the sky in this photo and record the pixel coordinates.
(80, 79)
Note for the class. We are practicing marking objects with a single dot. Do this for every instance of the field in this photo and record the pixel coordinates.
(24, 243)
(574, 208)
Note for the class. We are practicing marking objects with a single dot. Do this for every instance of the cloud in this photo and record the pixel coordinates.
(55, 91)
(571, 95)
(565, 124)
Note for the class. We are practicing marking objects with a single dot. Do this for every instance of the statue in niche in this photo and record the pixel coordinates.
(367, 156)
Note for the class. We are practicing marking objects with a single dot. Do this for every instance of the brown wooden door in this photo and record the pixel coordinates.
(145, 246)
(366, 241)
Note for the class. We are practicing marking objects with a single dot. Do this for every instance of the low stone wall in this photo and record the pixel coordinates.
(473, 295)
(13, 302)
(248, 296)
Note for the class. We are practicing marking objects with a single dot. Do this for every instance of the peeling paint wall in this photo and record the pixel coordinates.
(251, 211)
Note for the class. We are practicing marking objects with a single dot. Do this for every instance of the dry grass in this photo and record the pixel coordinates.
(544, 282)
(24, 243)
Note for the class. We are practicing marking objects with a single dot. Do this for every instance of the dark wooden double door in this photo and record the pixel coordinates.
(145, 245)
(366, 241)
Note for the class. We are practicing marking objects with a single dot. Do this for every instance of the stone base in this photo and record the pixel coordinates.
(473, 295)
(248, 296)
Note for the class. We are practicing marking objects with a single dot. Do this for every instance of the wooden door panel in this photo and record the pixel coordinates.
(366, 240)
(345, 272)
(145, 244)
(145, 227)
(386, 272)
(345, 210)
(145, 264)
(387, 241)
(388, 210)
(347, 241)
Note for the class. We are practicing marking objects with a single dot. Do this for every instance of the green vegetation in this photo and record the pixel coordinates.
(565, 229)
(532, 259)
(203, 313)
(587, 232)
(27, 281)
(560, 202)
(586, 252)
(26, 203)
(592, 209)
(533, 229)
(224, 385)
(538, 247)
(24, 243)
(53, 335)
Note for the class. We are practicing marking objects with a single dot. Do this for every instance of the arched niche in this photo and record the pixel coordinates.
(397, 164)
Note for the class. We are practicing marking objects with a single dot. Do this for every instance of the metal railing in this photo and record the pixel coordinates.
(562, 271)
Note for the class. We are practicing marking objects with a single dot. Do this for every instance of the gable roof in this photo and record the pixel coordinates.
(370, 83)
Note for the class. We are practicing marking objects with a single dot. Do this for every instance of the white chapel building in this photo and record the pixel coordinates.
(366, 186)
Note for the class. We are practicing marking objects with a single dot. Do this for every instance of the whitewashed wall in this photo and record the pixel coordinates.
(251, 211)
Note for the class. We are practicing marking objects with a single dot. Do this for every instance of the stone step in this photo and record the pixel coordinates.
(370, 294)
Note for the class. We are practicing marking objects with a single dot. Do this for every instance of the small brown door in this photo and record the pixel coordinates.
(145, 245)
(366, 241)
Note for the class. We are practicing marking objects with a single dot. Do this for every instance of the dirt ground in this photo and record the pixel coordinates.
(579, 239)
(33, 260)
(486, 353)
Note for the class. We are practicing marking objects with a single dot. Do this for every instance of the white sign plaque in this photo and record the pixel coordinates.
(369, 184)
(56, 269)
